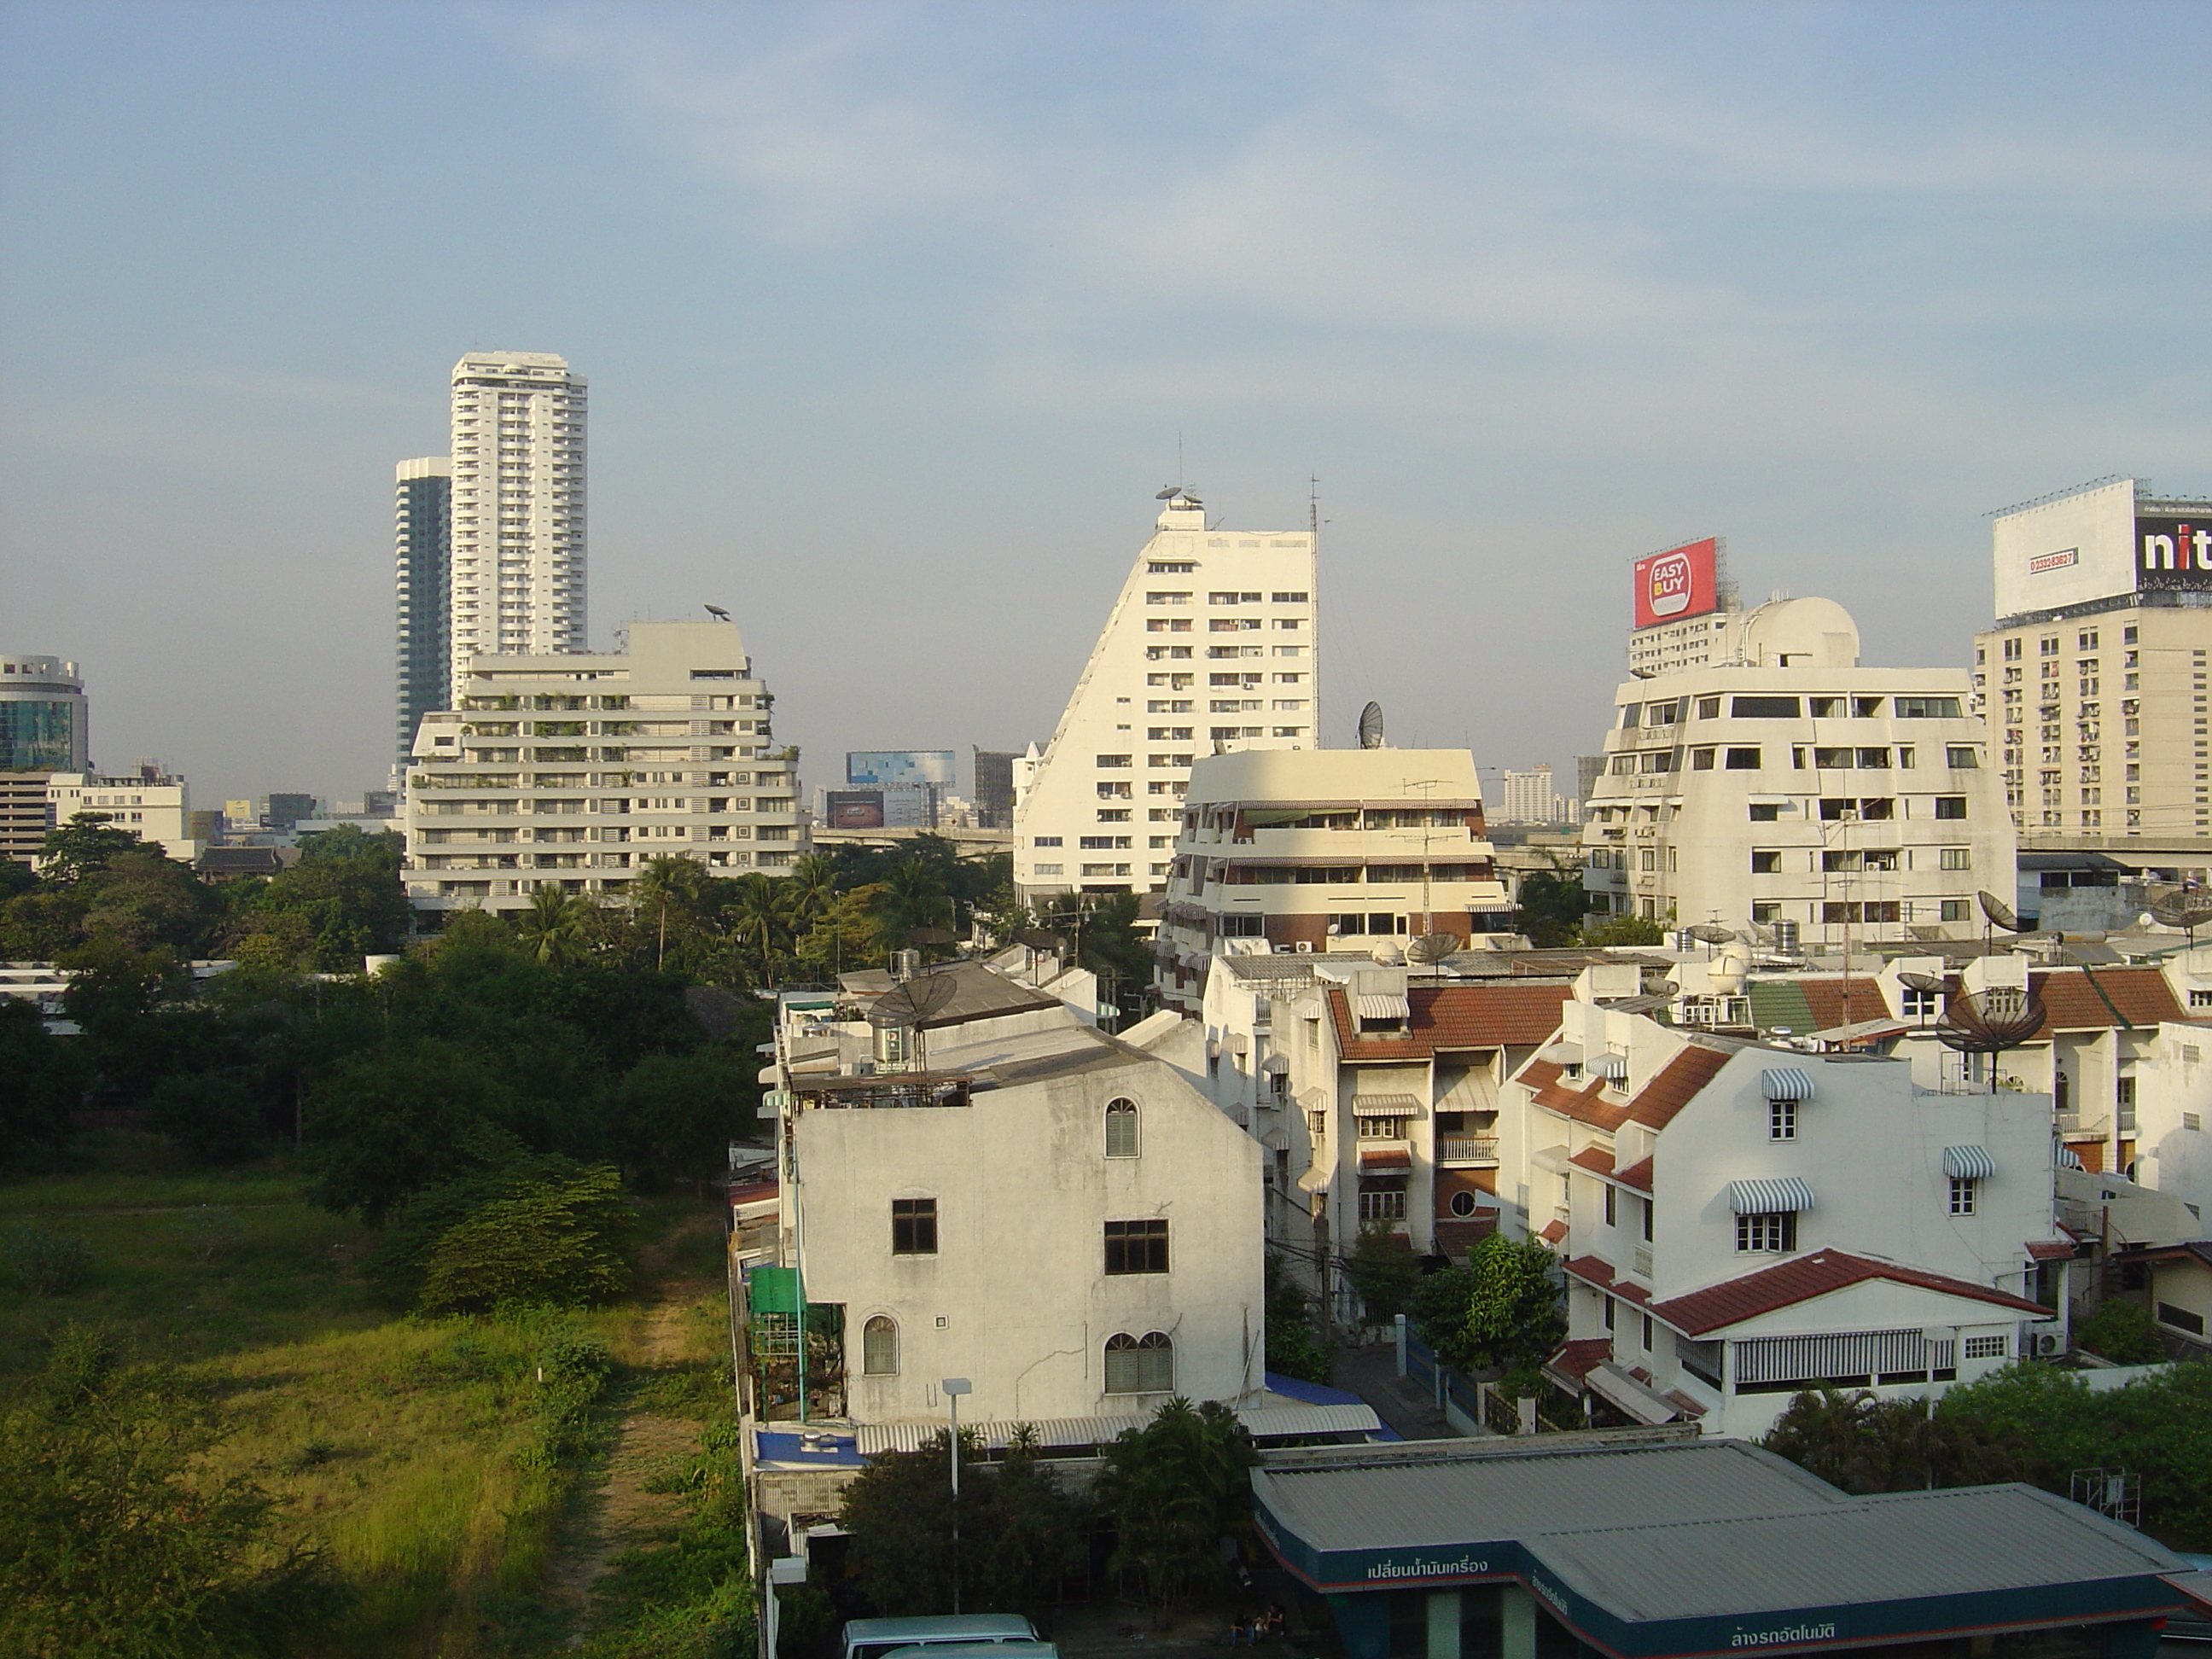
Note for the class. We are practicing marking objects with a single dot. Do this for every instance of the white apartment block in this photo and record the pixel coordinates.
(516, 582)
(1795, 786)
(1211, 648)
(1307, 849)
(1738, 1222)
(2093, 679)
(575, 769)
(1529, 798)
(149, 802)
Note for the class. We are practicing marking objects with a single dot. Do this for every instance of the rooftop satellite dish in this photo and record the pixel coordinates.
(718, 613)
(912, 1002)
(1990, 1022)
(2001, 913)
(1708, 932)
(1932, 983)
(1371, 726)
(1038, 939)
(2182, 909)
(931, 936)
(1169, 494)
(1429, 948)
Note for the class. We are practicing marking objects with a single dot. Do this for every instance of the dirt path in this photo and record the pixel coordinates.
(613, 1511)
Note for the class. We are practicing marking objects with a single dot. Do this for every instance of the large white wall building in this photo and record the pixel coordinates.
(153, 805)
(1794, 786)
(1211, 646)
(517, 568)
(575, 769)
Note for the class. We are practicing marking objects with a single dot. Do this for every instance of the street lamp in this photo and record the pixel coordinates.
(954, 1387)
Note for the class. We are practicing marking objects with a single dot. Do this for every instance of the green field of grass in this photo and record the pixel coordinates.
(431, 1458)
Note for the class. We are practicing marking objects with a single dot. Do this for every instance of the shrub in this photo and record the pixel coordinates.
(47, 1263)
(554, 1243)
(2122, 1332)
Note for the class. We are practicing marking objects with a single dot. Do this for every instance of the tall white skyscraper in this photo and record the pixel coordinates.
(516, 584)
(1210, 649)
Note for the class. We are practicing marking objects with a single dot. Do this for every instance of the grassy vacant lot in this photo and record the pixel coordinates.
(433, 1458)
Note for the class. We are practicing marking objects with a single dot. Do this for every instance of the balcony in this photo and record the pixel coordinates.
(1467, 1149)
(1639, 1262)
(2083, 1126)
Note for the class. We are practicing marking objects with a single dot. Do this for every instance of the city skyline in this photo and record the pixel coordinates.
(861, 302)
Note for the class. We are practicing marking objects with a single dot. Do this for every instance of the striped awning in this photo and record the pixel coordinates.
(1275, 1065)
(1384, 1007)
(2069, 1158)
(1385, 1106)
(1787, 1083)
(1612, 1066)
(1969, 1164)
(1386, 1160)
(1787, 1195)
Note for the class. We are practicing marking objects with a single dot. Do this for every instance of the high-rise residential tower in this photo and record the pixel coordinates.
(422, 530)
(517, 576)
(1099, 810)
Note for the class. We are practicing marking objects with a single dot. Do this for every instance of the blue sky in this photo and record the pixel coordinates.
(893, 315)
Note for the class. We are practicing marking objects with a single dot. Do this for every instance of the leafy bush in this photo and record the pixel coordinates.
(556, 1244)
(1502, 1309)
(2122, 1332)
(1383, 1269)
(213, 1116)
(1293, 1350)
(1174, 1488)
(47, 1263)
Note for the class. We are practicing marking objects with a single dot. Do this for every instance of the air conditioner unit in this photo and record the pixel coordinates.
(2046, 1344)
(1304, 947)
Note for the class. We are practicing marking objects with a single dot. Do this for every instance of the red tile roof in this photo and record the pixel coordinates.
(1595, 1270)
(1584, 1105)
(1678, 1080)
(1552, 1232)
(1455, 1016)
(1638, 1175)
(2071, 999)
(1456, 1238)
(1595, 1159)
(1788, 1283)
(1688, 1407)
(1825, 997)
(1580, 1357)
(2050, 1249)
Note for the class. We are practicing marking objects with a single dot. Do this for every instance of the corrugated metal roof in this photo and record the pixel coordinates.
(1891, 1548)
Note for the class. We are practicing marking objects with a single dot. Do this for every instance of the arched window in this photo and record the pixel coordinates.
(880, 1347)
(1121, 1128)
(1462, 1204)
(1139, 1364)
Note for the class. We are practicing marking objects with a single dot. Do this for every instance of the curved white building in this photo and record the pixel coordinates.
(1794, 786)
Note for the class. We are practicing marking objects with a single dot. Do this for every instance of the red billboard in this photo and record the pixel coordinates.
(1683, 582)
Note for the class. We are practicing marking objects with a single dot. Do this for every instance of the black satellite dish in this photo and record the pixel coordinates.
(1038, 939)
(1429, 948)
(1928, 985)
(932, 936)
(2001, 913)
(913, 1002)
(1169, 494)
(2182, 909)
(1711, 933)
(1989, 1022)
(1371, 726)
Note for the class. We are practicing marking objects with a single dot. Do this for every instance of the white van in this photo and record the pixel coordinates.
(878, 1639)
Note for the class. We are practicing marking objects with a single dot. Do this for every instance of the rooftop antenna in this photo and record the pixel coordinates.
(1371, 726)
(1990, 1022)
(2183, 909)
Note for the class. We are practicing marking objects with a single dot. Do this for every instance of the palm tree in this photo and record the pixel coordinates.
(913, 898)
(666, 884)
(555, 926)
(761, 912)
(813, 885)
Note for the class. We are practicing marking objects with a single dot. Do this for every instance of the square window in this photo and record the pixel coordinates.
(1137, 1247)
(1963, 1190)
(1782, 1120)
(1766, 1233)
(914, 1226)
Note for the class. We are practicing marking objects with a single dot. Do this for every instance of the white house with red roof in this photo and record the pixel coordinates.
(1737, 1221)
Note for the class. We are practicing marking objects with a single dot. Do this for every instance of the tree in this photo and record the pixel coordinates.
(1102, 931)
(2122, 1332)
(813, 887)
(911, 898)
(116, 1537)
(89, 841)
(555, 1243)
(141, 898)
(1384, 1270)
(845, 937)
(669, 896)
(1502, 1309)
(346, 890)
(1863, 1444)
(678, 1112)
(761, 915)
(37, 1085)
(1550, 903)
(1175, 1488)
(1622, 930)
(393, 1119)
(1293, 1350)
(556, 928)
(216, 1116)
